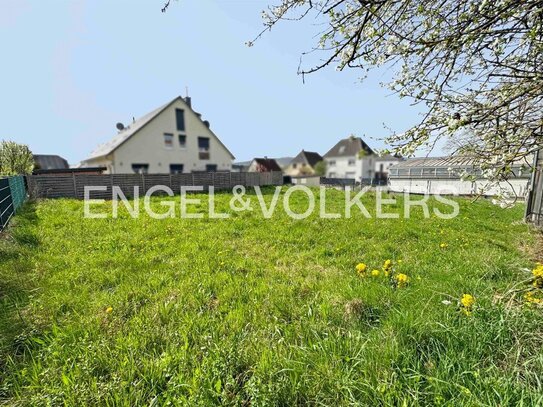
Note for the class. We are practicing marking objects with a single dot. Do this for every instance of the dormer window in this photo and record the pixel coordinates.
(341, 149)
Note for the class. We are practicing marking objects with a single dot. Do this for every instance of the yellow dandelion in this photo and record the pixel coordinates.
(361, 268)
(375, 273)
(443, 245)
(467, 300)
(538, 271)
(109, 310)
(402, 280)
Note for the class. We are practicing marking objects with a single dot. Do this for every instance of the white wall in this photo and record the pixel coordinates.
(437, 186)
(341, 168)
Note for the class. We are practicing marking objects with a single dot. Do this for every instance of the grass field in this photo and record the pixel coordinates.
(247, 311)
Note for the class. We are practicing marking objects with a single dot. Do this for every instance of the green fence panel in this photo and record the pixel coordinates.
(18, 191)
(12, 197)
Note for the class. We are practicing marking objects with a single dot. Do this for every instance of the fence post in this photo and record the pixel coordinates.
(74, 184)
(531, 188)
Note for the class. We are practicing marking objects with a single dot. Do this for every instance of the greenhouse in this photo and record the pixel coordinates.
(454, 175)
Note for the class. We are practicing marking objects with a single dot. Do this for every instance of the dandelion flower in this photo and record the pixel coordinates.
(443, 245)
(361, 268)
(538, 271)
(401, 280)
(467, 300)
(109, 310)
(375, 273)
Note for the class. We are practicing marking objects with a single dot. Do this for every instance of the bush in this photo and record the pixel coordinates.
(15, 159)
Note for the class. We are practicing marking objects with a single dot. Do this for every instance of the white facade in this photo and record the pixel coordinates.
(364, 168)
(155, 144)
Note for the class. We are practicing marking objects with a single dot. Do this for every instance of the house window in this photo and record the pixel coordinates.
(203, 148)
(180, 119)
(331, 163)
(211, 167)
(182, 141)
(140, 168)
(176, 168)
(294, 165)
(168, 140)
(352, 162)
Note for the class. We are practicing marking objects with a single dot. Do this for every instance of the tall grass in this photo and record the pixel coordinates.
(248, 311)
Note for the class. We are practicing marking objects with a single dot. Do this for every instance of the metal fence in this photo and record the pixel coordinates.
(73, 186)
(12, 196)
(534, 204)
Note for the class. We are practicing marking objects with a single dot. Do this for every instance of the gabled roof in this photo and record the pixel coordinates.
(307, 157)
(133, 128)
(349, 147)
(50, 162)
(268, 164)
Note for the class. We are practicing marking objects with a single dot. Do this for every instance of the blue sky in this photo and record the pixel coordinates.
(72, 69)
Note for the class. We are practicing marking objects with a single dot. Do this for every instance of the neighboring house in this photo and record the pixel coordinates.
(49, 162)
(443, 175)
(352, 158)
(303, 164)
(169, 140)
(264, 165)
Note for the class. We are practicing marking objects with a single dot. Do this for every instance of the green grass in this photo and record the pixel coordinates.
(247, 311)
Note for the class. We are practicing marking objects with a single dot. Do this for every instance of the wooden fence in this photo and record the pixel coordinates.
(534, 204)
(73, 186)
(12, 196)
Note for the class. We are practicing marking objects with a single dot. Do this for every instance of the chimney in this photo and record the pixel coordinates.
(188, 101)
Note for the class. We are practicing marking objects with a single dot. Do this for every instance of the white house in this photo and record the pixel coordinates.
(352, 158)
(169, 140)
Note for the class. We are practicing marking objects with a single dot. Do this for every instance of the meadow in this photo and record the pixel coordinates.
(266, 312)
